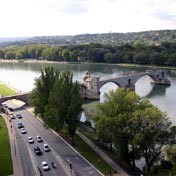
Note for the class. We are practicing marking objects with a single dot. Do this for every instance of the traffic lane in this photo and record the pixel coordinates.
(64, 151)
(46, 156)
(24, 156)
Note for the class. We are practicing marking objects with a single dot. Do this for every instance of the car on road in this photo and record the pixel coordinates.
(20, 125)
(19, 116)
(11, 115)
(39, 139)
(46, 148)
(23, 131)
(45, 166)
(37, 150)
(30, 140)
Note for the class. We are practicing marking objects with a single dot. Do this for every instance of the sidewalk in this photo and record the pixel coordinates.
(104, 156)
(17, 170)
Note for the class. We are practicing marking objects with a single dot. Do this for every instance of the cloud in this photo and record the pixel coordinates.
(73, 6)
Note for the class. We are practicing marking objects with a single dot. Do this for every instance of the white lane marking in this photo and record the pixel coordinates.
(33, 160)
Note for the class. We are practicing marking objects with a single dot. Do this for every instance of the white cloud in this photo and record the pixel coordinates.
(67, 17)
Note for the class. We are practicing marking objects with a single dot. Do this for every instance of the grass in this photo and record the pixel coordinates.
(5, 90)
(91, 156)
(90, 108)
(5, 153)
(86, 151)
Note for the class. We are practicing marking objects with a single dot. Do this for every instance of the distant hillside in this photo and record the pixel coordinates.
(148, 37)
(2, 40)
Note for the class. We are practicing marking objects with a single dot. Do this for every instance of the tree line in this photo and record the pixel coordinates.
(149, 37)
(163, 54)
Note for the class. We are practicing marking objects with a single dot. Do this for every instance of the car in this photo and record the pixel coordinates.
(23, 131)
(10, 109)
(19, 116)
(20, 125)
(11, 116)
(30, 140)
(46, 147)
(45, 166)
(37, 150)
(39, 139)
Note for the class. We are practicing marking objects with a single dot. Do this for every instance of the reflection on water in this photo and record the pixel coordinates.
(21, 75)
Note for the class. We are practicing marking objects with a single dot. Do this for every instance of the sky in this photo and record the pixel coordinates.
(19, 18)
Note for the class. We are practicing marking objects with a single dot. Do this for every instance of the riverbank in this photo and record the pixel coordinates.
(6, 90)
(64, 62)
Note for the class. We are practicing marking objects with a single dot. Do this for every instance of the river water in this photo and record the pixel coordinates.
(21, 76)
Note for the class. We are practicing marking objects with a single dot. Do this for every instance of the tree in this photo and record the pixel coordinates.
(64, 105)
(138, 128)
(141, 58)
(156, 58)
(66, 54)
(43, 86)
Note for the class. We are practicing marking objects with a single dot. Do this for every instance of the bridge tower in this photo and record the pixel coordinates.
(90, 87)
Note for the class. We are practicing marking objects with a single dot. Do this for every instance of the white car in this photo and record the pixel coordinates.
(45, 166)
(30, 140)
(23, 131)
(12, 116)
(46, 147)
(39, 139)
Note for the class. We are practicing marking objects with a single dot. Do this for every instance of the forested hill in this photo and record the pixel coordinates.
(148, 37)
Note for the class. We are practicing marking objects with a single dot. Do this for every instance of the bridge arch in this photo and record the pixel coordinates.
(24, 97)
(106, 88)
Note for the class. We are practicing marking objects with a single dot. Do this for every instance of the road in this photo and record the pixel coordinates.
(61, 154)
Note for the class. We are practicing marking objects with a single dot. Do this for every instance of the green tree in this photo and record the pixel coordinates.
(43, 86)
(138, 128)
(156, 58)
(66, 54)
(64, 104)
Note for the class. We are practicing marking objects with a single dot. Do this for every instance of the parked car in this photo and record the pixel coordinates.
(37, 150)
(30, 140)
(39, 139)
(20, 125)
(45, 166)
(46, 147)
(19, 116)
(10, 109)
(23, 131)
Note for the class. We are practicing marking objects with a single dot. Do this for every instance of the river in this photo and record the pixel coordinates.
(21, 76)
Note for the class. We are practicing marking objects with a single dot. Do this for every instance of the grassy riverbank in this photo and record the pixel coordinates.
(5, 90)
(5, 154)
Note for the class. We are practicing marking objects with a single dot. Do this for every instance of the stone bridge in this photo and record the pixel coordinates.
(23, 97)
(92, 84)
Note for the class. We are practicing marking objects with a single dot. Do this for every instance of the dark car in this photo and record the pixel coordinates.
(10, 109)
(37, 150)
(20, 125)
(19, 116)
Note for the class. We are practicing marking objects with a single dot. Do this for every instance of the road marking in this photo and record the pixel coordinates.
(34, 163)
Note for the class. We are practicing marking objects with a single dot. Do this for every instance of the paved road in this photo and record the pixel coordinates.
(61, 154)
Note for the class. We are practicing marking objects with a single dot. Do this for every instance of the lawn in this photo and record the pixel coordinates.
(5, 153)
(92, 156)
(90, 108)
(5, 90)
